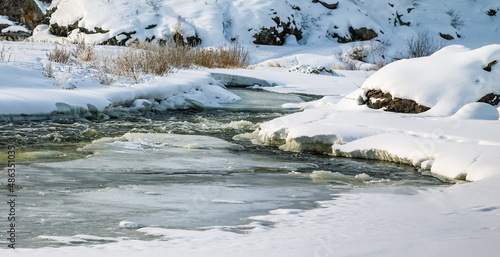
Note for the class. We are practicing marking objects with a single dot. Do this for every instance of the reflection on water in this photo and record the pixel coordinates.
(174, 170)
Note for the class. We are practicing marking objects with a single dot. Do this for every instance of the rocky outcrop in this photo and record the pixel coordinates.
(376, 99)
(276, 35)
(62, 31)
(14, 35)
(25, 12)
(359, 34)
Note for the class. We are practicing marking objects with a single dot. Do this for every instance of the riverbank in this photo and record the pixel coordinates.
(461, 220)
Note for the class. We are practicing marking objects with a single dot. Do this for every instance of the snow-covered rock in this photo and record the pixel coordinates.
(445, 81)
(271, 22)
(477, 111)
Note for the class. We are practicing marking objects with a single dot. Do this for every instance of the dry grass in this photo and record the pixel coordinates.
(147, 58)
(59, 55)
(274, 65)
(153, 59)
(83, 52)
(2, 54)
(48, 70)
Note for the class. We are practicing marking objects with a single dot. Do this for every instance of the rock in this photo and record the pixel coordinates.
(490, 65)
(307, 69)
(329, 6)
(190, 41)
(276, 35)
(26, 12)
(377, 99)
(491, 99)
(477, 111)
(14, 36)
(360, 34)
(446, 36)
(62, 31)
(491, 12)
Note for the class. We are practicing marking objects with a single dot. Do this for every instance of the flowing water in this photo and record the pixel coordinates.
(82, 182)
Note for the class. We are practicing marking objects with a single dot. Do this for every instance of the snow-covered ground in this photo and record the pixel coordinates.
(75, 91)
(11, 26)
(456, 139)
(461, 220)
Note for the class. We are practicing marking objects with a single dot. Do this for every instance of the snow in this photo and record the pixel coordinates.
(26, 91)
(458, 220)
(222, 21)
(5, 20)
(457, 140)
(12, 26)
(454, 76)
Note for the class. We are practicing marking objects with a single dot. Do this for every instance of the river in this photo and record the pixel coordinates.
(91, 182)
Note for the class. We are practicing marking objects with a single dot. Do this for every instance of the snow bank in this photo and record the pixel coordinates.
(453, 146)
(11, 26)
(75, 92)
(444, 81)
(458, 221)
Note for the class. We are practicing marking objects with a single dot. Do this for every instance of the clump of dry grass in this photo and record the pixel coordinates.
(83, 52)
(232, 56)
(59, 55)
(275, 65)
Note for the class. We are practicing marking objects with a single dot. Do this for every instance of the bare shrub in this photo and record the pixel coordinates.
(422, 45)
(104, 68)
(2, 54)
(130, 63)
(59, 55)
(48, 70)
(146, 58)
(155, 5)
(83, 52)
(456, 20)
(353, 57)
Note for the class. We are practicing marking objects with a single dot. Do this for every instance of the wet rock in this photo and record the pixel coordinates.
(376, 99)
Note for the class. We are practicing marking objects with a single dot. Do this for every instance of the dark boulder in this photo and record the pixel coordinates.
(359, 34)
(329, 6)
(492, 99)
(376, 99)
(25, 12)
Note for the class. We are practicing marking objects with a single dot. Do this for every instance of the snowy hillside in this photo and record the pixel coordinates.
(272, 22)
